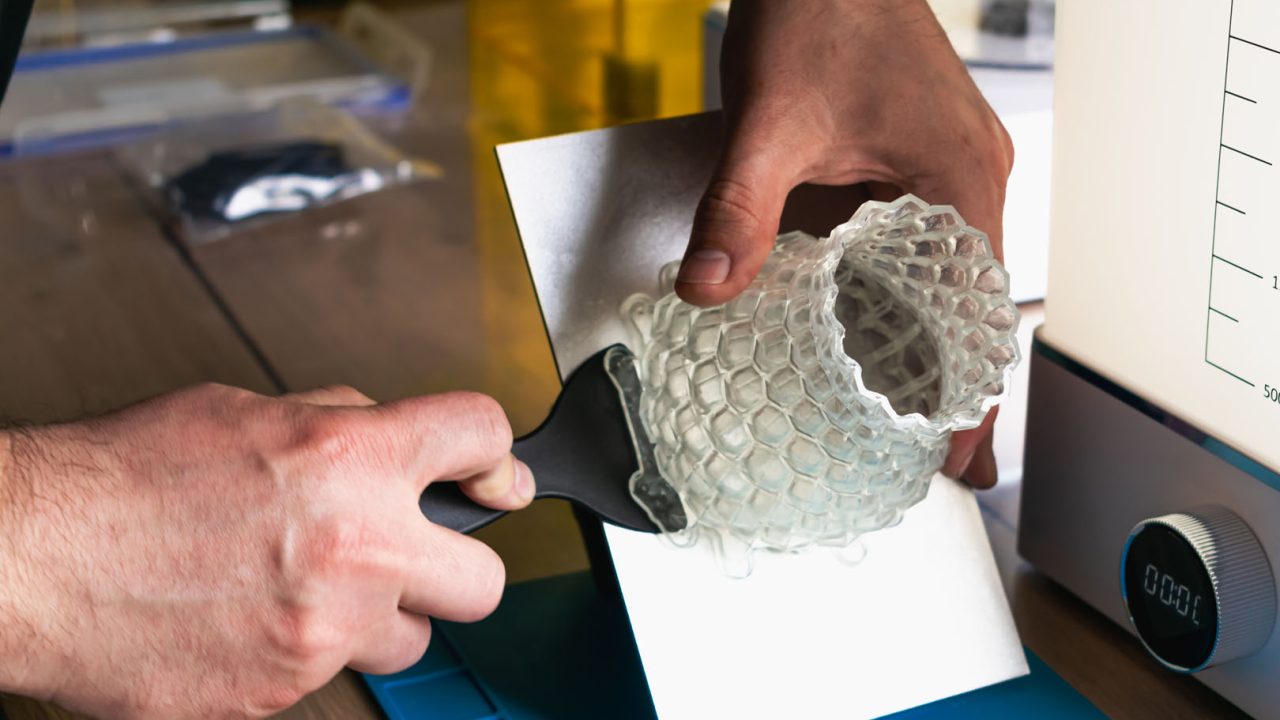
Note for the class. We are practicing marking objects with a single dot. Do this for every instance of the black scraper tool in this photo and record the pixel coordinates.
(589, 450)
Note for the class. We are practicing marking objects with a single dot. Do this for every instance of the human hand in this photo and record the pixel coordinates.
(217, 553)
(842, 92)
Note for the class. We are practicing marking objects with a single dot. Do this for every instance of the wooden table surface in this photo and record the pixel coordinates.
(416, 290)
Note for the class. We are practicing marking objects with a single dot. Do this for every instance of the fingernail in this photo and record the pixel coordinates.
(524, 481)
(704, 267)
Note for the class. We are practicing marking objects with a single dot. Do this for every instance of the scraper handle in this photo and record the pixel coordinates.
(585, 452)
(447, 506)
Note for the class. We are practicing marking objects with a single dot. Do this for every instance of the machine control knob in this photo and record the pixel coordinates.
(1198, 588)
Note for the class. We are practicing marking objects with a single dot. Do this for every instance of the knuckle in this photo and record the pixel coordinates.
(204, 394)
(1001, 150)
(209, 388)
(346, 392)
(486, 416)
(215, 391)
(1006, 140)
(209, 407)
(729, 203)
(489, 579)
(479, 578)
(328, 434)
(304, 637)
(339, 543)
(411, 651)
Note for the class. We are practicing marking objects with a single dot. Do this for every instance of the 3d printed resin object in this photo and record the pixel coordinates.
(817, 405)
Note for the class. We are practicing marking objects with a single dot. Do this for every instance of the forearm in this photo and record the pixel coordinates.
(27, 665)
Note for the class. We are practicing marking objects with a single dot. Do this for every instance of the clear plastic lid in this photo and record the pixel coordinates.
(68, 99)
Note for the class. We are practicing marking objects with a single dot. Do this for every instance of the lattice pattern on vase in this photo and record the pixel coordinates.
(818, 404)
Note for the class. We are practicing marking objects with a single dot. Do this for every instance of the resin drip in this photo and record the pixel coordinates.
(818, 404)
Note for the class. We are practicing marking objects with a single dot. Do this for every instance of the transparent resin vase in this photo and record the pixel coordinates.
(817, 405)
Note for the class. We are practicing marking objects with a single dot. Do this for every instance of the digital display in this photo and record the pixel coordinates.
(1170, 597)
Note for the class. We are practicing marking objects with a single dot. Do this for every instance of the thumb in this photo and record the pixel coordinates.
(736, 223)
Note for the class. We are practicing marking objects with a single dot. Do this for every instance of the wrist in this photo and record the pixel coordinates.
(28, 663)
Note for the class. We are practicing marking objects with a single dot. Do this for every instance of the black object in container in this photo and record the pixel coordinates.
(242, 183)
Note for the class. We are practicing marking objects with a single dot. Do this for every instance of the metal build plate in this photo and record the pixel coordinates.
(923, 617)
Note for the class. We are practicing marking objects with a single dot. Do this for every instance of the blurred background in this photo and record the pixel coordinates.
(403, 274)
